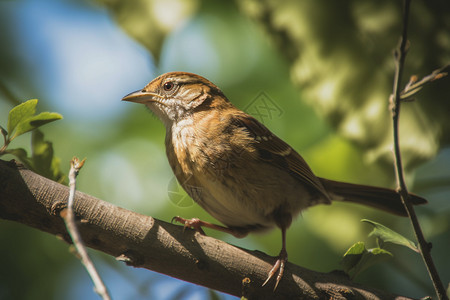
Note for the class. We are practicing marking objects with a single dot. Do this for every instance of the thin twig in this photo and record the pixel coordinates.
(395, 100)
(415, 86)
(69, 219)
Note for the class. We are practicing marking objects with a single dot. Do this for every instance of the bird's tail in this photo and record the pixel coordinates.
(381, 198)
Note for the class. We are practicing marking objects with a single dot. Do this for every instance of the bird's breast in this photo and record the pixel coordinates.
(223, 173)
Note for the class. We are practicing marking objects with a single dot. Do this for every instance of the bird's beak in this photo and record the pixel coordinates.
(139, 97)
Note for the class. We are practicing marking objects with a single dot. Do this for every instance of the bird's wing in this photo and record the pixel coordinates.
(274, 150)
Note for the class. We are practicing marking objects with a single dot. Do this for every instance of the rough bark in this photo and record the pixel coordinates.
(145, 242)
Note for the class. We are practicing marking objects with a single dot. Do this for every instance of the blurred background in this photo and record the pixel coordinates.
(317, 73)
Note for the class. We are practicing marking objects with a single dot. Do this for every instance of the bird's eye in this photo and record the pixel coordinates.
(168, 86)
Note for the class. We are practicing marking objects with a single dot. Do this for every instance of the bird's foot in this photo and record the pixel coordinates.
(278, 267)
(193, 223)
(197, 224)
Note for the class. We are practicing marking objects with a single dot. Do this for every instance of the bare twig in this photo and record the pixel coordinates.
(69, 219)
(395, 101)
(414, 86)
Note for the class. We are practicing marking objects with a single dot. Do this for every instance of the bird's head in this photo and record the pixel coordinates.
(176, 96)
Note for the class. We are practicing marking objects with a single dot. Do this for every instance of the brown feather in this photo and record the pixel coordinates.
(378, 197)
(281, 154)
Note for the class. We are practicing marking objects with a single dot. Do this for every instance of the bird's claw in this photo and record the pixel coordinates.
(277, 267)
(193, 223)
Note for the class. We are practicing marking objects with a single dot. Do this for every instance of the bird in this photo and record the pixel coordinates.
(236, 169)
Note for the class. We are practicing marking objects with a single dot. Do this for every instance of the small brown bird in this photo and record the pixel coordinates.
(236, 169)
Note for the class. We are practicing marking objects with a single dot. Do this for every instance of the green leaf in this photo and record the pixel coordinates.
(19, 152)
(372, 257)
(389, 236)
(353, 256)
(34, 122)
(358, 259)
(43, 160)
(42, 153)
(21, 112)
(22, 155)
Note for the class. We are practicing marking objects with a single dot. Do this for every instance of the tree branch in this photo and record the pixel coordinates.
(142, 241)
(395, 102)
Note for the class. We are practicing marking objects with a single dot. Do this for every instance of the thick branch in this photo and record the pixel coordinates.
(145, 242)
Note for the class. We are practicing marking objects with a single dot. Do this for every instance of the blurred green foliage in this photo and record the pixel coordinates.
(327, 66)
(150, 22)
(341, 58)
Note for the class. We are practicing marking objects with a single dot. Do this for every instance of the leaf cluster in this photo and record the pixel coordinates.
(358, 258)
(22, 119)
